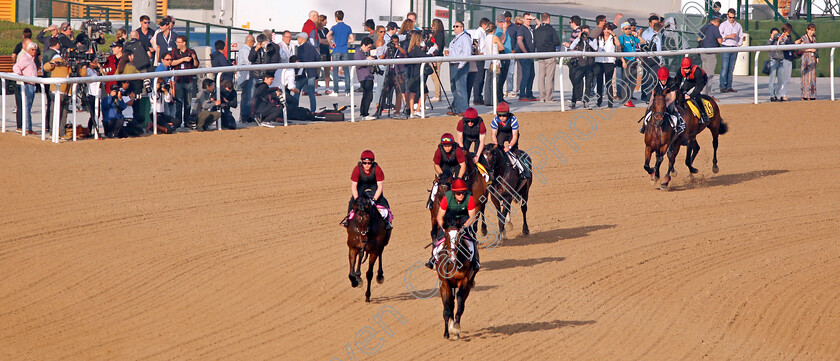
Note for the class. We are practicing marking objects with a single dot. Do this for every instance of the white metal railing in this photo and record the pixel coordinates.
(404, 61)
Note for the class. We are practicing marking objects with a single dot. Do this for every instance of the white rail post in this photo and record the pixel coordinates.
(755, 86)
(44, 112)
(154, 99)
(73, 95)
(218, 97)
(832, 72)
(3, 84)
(562, 90)
(493, 66)
(422, 93)
(95, 114)
(21, 86)
(56, 111)
(349, 78)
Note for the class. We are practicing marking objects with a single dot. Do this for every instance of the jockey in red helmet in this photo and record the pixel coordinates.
(457, 208)
(367, 179)
(666, 84)
(691, 80)
(450, 157)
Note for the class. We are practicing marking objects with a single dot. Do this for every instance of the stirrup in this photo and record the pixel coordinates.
(345, 222)
(431, 263)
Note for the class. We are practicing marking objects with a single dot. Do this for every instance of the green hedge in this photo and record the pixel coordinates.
(10, 35)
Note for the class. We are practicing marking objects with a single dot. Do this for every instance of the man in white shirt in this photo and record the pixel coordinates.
(285, 46)
(479, 35)
(244, 80)
(287, 81)
(461, 46)
(732, 35)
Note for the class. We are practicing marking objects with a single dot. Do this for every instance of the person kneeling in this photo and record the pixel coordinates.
(268, 106)
(205, 105)
(112, 108)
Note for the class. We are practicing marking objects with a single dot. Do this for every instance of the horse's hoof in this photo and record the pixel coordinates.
(715, 169)
(674, 172)
(367, 299)
(454, 331)
(354, 284)
(525, 231)
(380, 279)
(360, 282)
(483, 230)
(693, 170)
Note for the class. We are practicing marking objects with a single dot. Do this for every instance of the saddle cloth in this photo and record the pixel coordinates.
(470, 251)
(384, 212)
(677, 121)
(706, 104)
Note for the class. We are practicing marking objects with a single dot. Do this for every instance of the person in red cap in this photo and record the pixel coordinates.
(457, 207)
(471, 131)
(667, 86)
(448, 158)
(692, 79)
(505, 128)
(367, 178)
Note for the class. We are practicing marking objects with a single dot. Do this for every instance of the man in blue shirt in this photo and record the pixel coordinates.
(340, 35)
(629, 43)
(502, 31)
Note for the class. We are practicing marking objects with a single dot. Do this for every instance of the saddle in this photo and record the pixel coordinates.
(706, 104)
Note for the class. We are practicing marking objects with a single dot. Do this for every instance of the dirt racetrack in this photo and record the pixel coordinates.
(226, 245)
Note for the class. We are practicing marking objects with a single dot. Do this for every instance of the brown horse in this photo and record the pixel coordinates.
(366, 237)
(457, 278)
(693, 127)
(478, 190)
(660, 137)
(507, 186)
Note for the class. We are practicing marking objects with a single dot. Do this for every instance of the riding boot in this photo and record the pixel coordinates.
(388, 225)
(476, 265)
(704, 118)
(642, 129)
(346, 221)
(431, 263)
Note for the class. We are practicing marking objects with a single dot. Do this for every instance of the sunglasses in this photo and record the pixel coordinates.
(730, 17)
(446, 140)
(459, 193)
(381, 31)
(457, 26)
(145, 22)
(367, 162)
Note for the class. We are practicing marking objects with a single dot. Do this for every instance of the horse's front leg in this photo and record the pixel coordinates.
(352, 275)
(648, 169)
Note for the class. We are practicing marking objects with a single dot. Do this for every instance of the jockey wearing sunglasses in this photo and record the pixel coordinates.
(457, 206)
(449, 157)
(367, 178)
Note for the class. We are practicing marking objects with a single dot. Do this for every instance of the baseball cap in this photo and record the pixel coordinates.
(302, 35)
(625, 24)
(507, 14)
(500, 18)
(392, 25)
(117, 44)
(632, 21)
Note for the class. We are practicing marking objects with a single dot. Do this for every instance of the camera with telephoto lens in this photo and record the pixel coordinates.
(93, 28)
(428, 36)
(76, 58)
(147, 85)
(475, 49)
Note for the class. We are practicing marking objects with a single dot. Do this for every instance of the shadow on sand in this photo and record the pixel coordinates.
(513, 328)
(554, 235)
(407, 296)
(515, 263)
(726, 179)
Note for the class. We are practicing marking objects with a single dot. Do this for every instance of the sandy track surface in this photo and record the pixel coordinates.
(226, 245)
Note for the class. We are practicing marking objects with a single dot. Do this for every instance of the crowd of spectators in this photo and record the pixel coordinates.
(264, 95)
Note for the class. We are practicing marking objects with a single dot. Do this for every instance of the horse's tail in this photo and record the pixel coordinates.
(723, 127)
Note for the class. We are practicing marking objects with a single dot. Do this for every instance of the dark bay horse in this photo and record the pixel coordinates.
(693, 127)
(478, 190)
(660, 137)
(366, 237)
(507, 186)
(457, 278)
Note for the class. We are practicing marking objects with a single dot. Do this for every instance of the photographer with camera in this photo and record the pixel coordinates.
(60, 68)
(584, 67)
(267, 103)
(112, 111)
(228, 99)
(205, 106)
(365, 77)
(184, 58)
(164, 106)
(92, 34)
(111, 63)
(263, 52)
(93, 93)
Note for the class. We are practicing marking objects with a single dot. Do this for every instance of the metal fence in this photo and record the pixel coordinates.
(44, 82)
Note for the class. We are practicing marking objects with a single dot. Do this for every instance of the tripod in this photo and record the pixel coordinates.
(450, 106)
(385, 99)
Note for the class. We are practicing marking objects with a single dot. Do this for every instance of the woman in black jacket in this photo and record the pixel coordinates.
(415, 50)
